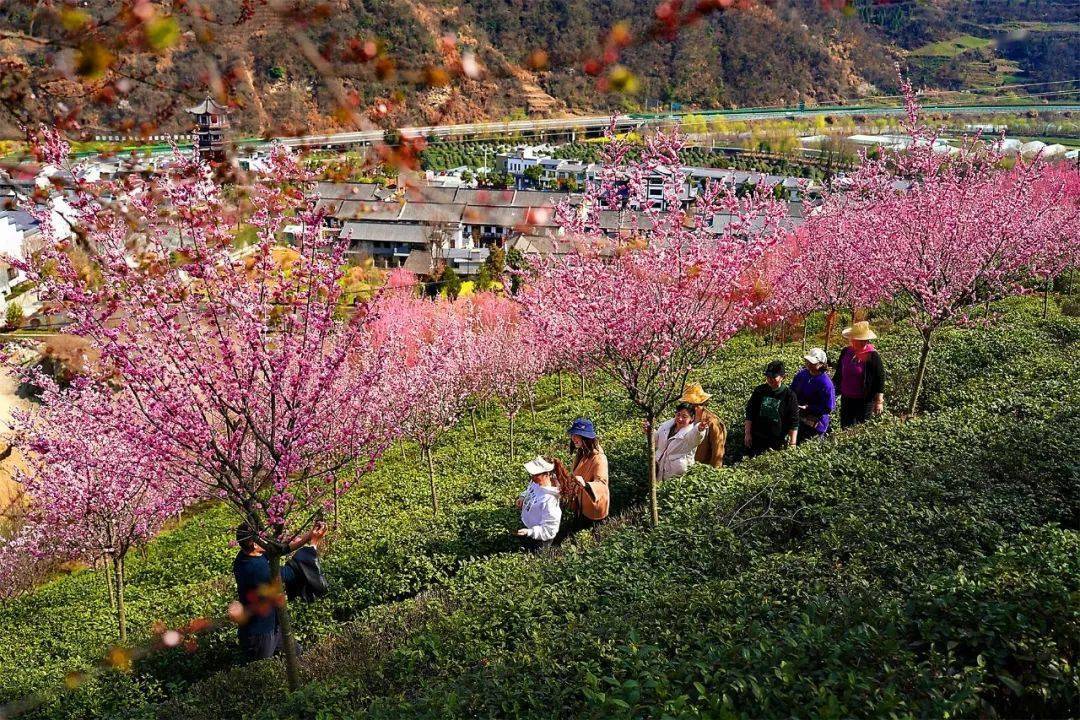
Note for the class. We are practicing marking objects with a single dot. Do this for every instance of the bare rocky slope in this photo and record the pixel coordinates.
(442, 61)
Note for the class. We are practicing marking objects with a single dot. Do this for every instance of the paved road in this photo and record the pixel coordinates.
(596, 122)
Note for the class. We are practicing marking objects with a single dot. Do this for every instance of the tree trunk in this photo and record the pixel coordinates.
(109, 584)
(805, 329)
(582, 376)
(560, 384)
(121, 612)
(431, 479)
(783, 333)
(401, 446)
(292, 668)
(830, 322)
(511, 438)
(532, 408)
(653, 507)
(920, 373)
(335, 502)
(472, 415)
(1046, 296)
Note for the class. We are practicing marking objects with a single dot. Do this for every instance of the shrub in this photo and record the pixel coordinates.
(13, 316)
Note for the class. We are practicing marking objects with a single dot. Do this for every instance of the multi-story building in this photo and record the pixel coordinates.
(211, 122)
(20, 237)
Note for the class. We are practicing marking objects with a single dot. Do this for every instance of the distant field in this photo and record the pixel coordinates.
(952, 47)
(1071, 142)
(1034, 26)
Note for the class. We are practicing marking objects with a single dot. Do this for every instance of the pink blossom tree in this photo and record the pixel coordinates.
(946, 230)
(826, 268)
(247, 376)
(433, 380)
(1059, 248)
(518, 358)
(92, 493)
(652, 303)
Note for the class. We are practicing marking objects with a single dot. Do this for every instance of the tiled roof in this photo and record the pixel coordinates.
(209, 106)
(356, 210)
(616, 220)
(419, 262)
(430, 194)
(22, 220)
(484, 196)
(431, 212)
(494, 215)
(384, 232)
(351, 191)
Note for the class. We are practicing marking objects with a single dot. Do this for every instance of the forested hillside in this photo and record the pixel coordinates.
(301, 65)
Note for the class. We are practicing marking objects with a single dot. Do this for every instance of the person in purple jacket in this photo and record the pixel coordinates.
(816, 395)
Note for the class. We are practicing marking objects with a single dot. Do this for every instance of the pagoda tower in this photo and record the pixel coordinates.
(211, 120)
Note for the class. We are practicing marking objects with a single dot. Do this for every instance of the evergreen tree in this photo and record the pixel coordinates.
(451, 282)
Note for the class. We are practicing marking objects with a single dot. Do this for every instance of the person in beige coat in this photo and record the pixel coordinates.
(711, 449)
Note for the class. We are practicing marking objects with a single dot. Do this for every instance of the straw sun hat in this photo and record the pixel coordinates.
(694, 394)
(859, 331)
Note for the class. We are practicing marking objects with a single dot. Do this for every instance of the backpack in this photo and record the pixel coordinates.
(308, 581)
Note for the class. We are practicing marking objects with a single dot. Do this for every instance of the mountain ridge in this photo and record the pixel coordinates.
(441, 61)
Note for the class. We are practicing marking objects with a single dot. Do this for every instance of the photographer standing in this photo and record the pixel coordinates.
(260, 634)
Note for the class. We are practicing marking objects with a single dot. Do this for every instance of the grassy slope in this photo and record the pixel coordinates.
(914, 569)
(952, 47)
(392, 550)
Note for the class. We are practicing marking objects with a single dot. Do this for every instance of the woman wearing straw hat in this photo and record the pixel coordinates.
(540, 511)
(859, 376)
(816, 395)
(711, 449)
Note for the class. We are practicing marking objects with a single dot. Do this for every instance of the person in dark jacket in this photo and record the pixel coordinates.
(859, 377)
(772, 413)
(260, 632)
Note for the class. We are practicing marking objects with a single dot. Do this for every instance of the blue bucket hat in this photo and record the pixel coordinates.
(583, 427)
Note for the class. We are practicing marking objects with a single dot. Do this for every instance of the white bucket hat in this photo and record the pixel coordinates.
(538, 466)
(816, 356)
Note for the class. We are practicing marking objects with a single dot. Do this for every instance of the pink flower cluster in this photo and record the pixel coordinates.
(940, 230)
(657, 299)
(236, 374)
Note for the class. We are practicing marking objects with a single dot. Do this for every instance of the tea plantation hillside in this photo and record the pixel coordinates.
(907, 569)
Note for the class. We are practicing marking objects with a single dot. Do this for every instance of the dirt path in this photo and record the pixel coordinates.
(8, 402)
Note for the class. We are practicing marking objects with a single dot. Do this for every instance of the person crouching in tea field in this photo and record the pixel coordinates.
(816, 395)
(260, 633)
(540, 511)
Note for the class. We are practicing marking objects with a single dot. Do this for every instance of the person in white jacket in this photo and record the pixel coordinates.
(676, 441)
(540, 511)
